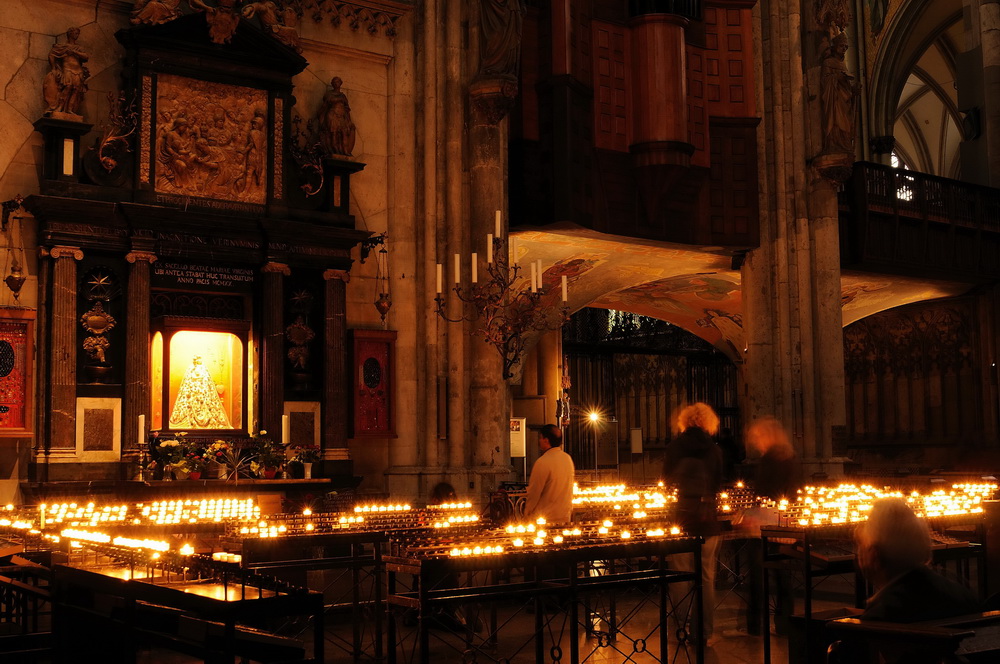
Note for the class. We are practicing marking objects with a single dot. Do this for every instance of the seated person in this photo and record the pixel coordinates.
(442, 493)
(894, 549)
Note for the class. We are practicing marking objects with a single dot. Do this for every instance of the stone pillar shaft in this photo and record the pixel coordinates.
(137, 370)
(62, 397)
(272, 382)
(490, 401)
(336, 409)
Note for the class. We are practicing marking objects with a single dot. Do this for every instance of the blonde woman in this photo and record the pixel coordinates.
(693, 464)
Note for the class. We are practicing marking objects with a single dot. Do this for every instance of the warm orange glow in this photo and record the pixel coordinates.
(221, 355)
(156, 355)
(594, 416)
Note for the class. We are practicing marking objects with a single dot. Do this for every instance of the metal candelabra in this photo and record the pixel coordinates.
(508, 311)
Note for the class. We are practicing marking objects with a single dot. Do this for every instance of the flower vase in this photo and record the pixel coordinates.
(269, 473)
(180, 474)
(307, 470)
(168, 473)
(221, 471)
(194, 475)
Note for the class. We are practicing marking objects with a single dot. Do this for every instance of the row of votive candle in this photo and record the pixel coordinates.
(224, 557)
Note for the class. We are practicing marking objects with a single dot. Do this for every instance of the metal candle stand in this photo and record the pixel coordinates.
(588, 583)
(507, 311)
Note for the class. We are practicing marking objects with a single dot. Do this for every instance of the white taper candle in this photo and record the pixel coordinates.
(565, 289)
(142, 430)
(285, 431)
(458, 268)
(489, 248)
(534, 278)
(440, 276)
(497, 224)
(475, 268)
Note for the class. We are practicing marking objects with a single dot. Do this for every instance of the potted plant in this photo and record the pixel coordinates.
(307, 455)
(269, 456)
(194, 462)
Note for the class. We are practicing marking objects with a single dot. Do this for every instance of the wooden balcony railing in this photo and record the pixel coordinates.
(902, 221)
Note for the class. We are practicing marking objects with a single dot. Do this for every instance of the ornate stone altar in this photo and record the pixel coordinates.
(187, 286)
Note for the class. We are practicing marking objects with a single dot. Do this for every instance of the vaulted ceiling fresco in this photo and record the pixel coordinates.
(695, 289)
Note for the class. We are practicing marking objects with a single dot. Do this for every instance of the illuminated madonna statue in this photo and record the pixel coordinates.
(198, 404)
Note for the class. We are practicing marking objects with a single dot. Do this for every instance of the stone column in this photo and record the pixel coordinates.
(137, 369)
(550, 368)
(272, 381)
(62, 348)
(336, 409)
(791, 283)
(989, 27)
(489, 404)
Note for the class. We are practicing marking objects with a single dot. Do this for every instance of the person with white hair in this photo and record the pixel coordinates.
(894, 549)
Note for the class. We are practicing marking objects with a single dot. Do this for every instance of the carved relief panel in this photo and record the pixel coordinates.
(211, 140)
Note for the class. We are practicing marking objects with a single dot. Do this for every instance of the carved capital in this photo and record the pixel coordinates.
(66, 252)
(276, 268)
(835, 168)
(493, 97)
(146, 256)
(342, 275)
(882, 144)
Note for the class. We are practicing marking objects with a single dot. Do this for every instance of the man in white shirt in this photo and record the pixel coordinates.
(550, 489)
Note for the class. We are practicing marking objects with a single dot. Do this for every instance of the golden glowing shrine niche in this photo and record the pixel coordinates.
(201, 378)
(211, 140)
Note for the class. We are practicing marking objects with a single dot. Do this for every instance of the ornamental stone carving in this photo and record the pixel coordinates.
(282, 24)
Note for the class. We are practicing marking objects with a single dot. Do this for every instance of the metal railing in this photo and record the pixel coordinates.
(907, 219)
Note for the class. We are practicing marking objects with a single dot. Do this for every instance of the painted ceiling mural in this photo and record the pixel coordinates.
(693, 288)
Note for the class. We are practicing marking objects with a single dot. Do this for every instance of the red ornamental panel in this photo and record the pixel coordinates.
(373, 383)
(14, 341)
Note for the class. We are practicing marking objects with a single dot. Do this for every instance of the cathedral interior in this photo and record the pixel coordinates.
(326, 254)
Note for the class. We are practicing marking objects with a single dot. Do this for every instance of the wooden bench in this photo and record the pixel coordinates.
(960, 640)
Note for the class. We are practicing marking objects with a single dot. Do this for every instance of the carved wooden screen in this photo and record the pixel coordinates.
(912, 377)
(16, 340)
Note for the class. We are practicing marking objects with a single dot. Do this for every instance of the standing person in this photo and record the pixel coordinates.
(777, 476)
(550, 489)
(693, 464)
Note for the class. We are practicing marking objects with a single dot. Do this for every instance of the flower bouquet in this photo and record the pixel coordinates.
(166, 454)
(306, 453)
(195, 463)
(268, 456)
(221, 454)
(304, 456)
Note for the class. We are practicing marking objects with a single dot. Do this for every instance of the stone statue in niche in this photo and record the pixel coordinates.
(500, 28)
(155, 12)
(282, 24)
(838, 96)
(337, 132)
(65, 85)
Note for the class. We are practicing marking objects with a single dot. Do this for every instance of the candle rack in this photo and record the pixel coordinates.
(507, 310)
